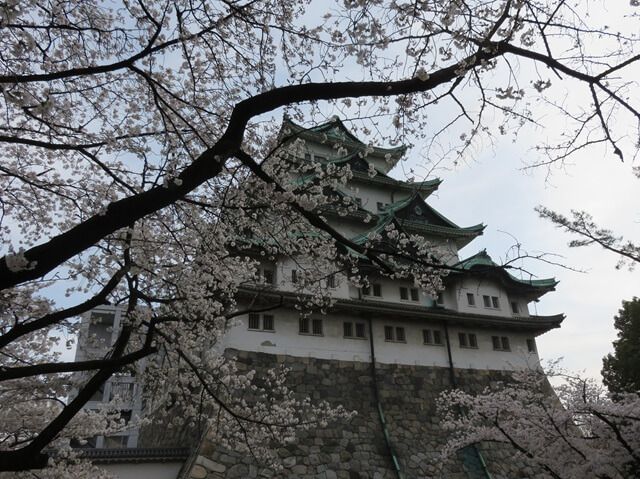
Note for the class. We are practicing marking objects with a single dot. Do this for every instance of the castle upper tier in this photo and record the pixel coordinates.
(480, 320)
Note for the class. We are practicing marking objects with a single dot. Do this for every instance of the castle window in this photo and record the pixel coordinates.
(313, 326)
(374, 289)
(319, 158)
(500, 343)
(491, 302)
(267, 323)
(357, 200)
(316, 326)
(471, 299)
(514, 307)
(303, 326)
(380, 205)
(431, 337)
(268, 276)
(351, 332)
(396, 334)
(388, 333)
(409, 293)
(331, 281)
(254, 321)
(347, 329)
(468, 340)
(440, 299)
(531, 345)
(294, 276)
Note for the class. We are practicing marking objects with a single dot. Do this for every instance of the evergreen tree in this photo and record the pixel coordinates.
(621, 370)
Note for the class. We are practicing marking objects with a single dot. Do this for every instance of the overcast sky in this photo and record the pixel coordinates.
(494, 190)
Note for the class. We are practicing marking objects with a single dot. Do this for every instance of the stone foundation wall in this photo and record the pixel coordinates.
(358, 449)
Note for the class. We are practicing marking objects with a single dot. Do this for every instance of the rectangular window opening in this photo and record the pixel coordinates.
(495, 302)
(487, 301)
(317, 326)
(303, 326)
(468, 340)
(360, 331)
(515, 309)
(404, 293)
(471, 299)
(388, 333)
(377, 290)
(531, 345)
(347, 329)
(254, 321)
(268, 322)
(415, 294)
(501, 343)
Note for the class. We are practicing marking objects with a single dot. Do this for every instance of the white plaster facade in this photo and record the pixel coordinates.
(488, 312)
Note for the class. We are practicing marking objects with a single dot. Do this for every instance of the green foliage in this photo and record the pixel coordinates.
(621, 370)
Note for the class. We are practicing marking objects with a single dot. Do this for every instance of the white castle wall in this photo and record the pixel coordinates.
(287, 340)
(479, 288)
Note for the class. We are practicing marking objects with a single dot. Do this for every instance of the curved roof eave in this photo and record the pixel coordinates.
(482, 263)
(319, 132)
(535, 324)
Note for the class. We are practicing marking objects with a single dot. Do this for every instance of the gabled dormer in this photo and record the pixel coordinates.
(484, 287)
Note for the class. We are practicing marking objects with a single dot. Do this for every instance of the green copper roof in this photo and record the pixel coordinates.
(482, 260)
(414, 213)
(377, 229)
(336, 130)
(422, 188)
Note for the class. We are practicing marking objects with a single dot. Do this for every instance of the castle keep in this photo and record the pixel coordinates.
(385, 347)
